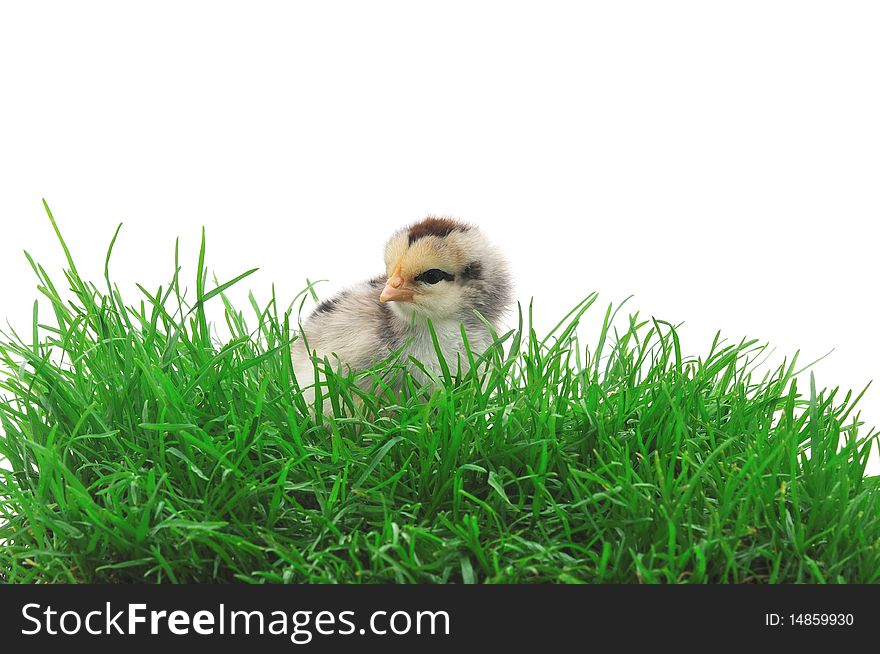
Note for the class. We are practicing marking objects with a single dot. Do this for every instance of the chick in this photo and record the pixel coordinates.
(437, 269)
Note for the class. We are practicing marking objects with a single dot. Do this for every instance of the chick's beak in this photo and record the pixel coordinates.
(395, 290)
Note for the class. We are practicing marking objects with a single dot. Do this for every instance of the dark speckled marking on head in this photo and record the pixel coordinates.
(474, 270)
(439, 227)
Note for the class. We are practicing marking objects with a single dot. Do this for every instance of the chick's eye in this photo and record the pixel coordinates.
(434, 276)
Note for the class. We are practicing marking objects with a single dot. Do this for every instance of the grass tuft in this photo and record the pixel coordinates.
(140, 448)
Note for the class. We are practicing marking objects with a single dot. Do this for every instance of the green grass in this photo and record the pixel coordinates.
(142, 449)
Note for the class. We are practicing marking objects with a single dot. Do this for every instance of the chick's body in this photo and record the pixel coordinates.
(437, 269)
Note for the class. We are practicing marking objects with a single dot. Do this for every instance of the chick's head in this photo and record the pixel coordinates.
(441, 268)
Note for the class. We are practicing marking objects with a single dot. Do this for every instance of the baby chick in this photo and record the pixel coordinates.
(438, 269)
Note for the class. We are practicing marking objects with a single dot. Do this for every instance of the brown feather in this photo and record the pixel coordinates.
(439, 227)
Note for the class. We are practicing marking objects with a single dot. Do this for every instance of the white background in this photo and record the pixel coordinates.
(718, 160)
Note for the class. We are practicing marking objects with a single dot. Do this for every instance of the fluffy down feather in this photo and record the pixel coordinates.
(438, 269)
